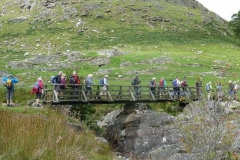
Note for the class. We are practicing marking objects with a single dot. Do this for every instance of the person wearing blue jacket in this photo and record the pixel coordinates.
(10, 80)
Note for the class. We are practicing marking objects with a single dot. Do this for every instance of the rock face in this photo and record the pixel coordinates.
(140, 133)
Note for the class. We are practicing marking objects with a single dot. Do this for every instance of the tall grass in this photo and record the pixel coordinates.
(46, 137)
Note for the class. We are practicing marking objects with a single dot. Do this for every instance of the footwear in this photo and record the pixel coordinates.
(8, 105)
(11, 105)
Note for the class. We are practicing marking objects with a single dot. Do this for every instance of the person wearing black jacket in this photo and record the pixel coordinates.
(57, 81)
(135, 83)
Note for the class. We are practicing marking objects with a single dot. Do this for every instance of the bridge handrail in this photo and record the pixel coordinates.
(117, 93)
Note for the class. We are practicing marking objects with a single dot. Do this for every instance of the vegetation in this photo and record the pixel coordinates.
(197, 47)
(235, 24)
(210, 131)
(46, 136)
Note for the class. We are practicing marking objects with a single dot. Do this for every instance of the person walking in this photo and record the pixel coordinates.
(56, 80)
(104, 86)
(39, 91)
(152, 85)
(89, 83)
(63, 85)
(135, 82)
(219, 91)
(162, 85)
(10, 80)
(230, 90)
(74, 82)
(199, 87)
(184, 84)
(176, 87)
(235, 90)
(208, 89)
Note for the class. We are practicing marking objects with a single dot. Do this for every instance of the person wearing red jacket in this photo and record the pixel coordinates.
(39, 91)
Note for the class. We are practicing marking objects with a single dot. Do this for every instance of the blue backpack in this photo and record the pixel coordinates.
(208, 87)
(101, 82)
(174, 83)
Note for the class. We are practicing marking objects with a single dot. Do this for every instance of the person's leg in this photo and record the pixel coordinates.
(38, 99)
(90, 91)
(8, 97)
(11, 94)
(136, 92)
(178, 90)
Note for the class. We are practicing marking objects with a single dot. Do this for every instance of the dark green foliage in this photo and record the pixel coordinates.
(235, 24)
(83, 112)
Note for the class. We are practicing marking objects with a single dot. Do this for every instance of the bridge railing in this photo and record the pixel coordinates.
(116, 93)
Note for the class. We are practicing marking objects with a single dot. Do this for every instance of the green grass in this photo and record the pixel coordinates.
(46, 136)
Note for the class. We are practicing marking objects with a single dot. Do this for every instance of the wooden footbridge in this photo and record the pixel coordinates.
(116, 94)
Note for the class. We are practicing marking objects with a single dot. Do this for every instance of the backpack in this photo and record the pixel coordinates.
(63, 83)
(208, 87)
(101, 82)
(35, 88)
(183, 83)
(53, 80)
(150, 83)
(133, 82)
(235, 87)
(174, 83)
(161, 82)
(74, 80)
(219, 88)
(9, 84)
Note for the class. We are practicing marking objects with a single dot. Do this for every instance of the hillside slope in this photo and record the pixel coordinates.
(66, 32)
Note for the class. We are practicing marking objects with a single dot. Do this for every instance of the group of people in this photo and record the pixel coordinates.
(176, 83)
(60, 83)
(75, 83)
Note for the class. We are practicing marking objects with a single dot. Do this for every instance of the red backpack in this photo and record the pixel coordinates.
(76, 79)
(161, 82)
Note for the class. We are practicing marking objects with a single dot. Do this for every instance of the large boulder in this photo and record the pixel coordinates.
(140, 133)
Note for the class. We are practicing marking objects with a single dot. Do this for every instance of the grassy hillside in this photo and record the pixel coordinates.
(198, 41)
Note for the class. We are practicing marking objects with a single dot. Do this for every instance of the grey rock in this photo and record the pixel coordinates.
(136, 130)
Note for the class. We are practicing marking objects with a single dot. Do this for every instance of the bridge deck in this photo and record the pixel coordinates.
(117, 94)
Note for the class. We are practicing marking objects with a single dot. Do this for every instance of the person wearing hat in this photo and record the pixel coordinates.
(104, 86)
(152, 85)
(208, 89)
(39, 85)
(10, 80)
(89, 83)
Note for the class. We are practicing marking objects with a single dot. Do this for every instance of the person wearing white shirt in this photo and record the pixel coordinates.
(105, 84)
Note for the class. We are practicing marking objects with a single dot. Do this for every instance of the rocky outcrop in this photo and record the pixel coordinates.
(140, 133)
(137, 132)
